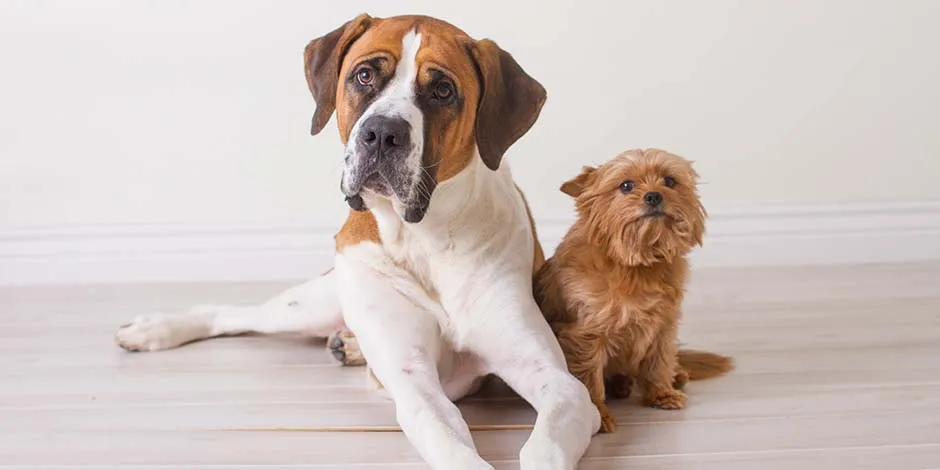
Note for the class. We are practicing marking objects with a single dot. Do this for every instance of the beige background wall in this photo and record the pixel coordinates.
(168, 140)
(196, 112)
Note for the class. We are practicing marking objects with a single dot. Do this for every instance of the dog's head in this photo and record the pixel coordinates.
(643, 206)
(416, 100)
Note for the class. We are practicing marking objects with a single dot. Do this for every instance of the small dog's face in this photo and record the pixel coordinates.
(643, 206)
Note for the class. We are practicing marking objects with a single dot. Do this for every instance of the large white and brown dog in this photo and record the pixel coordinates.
(434, 265)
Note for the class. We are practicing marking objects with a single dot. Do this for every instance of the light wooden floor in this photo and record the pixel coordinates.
(837, 368)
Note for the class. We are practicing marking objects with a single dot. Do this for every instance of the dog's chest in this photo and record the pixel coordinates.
(433, 261)
(411, 254)
(619, 306)
(474, 245)
(460, 263)
(640, 310)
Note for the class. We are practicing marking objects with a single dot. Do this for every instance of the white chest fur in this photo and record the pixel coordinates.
(476, 233)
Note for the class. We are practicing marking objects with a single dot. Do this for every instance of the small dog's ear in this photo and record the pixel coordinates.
(510, 101)
(322, 59)
(576, 186)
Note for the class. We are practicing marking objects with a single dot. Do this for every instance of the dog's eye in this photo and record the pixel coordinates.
(365, 76)
(626, 186)
(669, 181)
(443, 91)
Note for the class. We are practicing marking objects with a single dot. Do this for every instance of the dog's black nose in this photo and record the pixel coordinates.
(384, 134)
(653, 198)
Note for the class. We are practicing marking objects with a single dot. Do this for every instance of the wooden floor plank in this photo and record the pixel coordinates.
(116, 446)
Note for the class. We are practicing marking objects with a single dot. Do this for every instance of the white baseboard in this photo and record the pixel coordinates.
(846, 234)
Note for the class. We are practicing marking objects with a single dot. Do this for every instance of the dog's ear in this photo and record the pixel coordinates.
(510, 101)
(576, 186)
(322, 59)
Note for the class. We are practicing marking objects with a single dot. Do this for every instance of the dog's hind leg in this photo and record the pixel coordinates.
(311, 308)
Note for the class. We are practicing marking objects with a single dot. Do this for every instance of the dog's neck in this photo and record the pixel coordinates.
(476, 220)
(652, 276)
(579, 236)
(677, 263)
(474, 209)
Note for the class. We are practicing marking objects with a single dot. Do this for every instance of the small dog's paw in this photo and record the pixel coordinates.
(666, 399)
(619, 386)
(156, 332)
(608, 422)
(345, 348)
(680, 379)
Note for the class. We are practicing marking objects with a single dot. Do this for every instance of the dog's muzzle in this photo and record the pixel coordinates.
(378, 160)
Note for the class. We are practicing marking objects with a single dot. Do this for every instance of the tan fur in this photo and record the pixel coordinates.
(614, 288)
(359, 227)
(322, 59)
(538, 257)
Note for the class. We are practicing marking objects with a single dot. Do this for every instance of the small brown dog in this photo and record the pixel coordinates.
(613, 290)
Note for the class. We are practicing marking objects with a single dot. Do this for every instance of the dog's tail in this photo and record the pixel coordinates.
(704, 365)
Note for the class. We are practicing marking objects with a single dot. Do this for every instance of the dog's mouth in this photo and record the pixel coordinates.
(656, 214)
(377, 184)
(391, 185)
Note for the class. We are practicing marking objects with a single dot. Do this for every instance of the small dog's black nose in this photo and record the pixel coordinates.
(653, 198)
(383, 133)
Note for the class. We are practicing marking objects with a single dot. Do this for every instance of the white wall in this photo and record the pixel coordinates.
(196, 111)
(182, 113)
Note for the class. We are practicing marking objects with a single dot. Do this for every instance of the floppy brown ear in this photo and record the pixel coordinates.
(322, 59)
(576, 186)
(510, 101)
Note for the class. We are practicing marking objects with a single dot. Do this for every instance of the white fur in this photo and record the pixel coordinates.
(396, 100)
(460, 306)
(310, 308)
(436, 307)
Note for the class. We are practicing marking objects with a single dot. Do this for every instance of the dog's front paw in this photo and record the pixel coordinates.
(345, 348)
(666, 399)
(608, 422)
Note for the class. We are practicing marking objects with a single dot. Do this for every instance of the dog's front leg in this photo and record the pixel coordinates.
(524, 352)
(659, 372)
(587, 360)
(393, 320)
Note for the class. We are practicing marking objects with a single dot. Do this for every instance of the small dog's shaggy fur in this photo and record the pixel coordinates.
(613, 290)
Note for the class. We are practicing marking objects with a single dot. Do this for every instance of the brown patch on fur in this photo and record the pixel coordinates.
(538, 258)
(614, 288)
(322, 59)
(359, 227)
(511, 102)
(449, 135)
